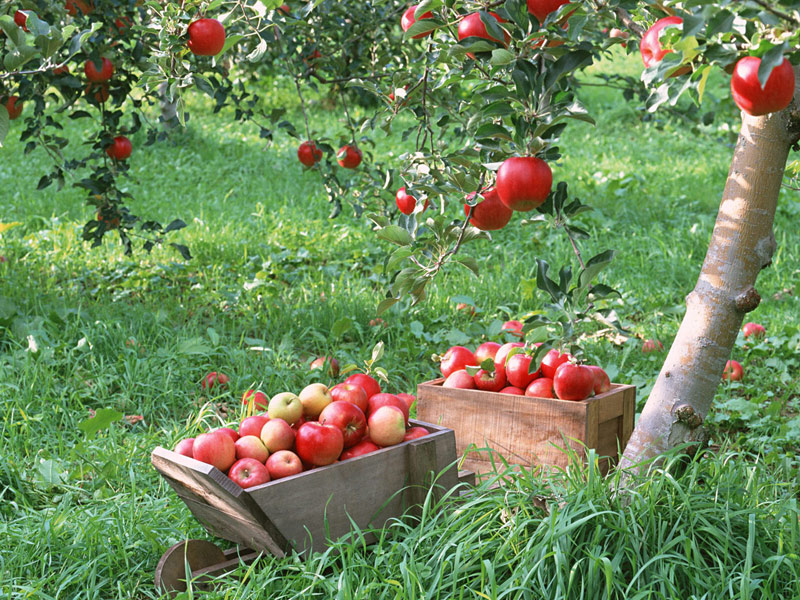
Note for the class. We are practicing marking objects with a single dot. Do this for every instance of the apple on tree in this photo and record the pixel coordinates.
(73, 6)
(349, 156)
(248, 472)
(206, 37)
(542, 8)
(308, 154)
(756, 100)
(20, 18)
(472, 26)
(408, 19)
(490, 214)
(406, 203)
(13, 106)
(651, 49)
(100, 75)
(120, 149)
(524, 182)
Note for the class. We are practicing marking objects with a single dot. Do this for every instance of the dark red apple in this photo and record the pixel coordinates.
(490, 214)
(751, 97)
(517, 370)
(551, 361)
(348, 157)
(733, 371)
(371, 387)
(541, 8)
(206, 37)
(348, 418)
(319, 444)
(406, 203)
(472, 26)
(360, 449)
(100, 75)
(493, 381)
(414, 433)
(308, 154)
(754, 329)
(248, 472)
(573, 382)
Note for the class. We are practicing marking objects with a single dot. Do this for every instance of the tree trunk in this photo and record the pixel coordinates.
(741, 245)
(169, 108)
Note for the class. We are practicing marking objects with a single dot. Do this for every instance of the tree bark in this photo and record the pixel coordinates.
(742, 244)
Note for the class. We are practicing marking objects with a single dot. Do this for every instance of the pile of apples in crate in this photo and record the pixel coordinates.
(297, 432)
(507, 369)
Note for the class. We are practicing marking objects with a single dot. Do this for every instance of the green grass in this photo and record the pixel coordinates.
(273, 283)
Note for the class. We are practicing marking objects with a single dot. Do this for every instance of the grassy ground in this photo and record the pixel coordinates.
(273, 282)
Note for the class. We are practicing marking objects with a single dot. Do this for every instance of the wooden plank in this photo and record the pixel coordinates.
(607, 439)
(207, 486)
(523, 430)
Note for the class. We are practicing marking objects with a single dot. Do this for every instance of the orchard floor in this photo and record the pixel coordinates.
(273, 282)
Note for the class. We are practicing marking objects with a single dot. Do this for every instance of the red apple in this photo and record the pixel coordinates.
(486, 350)
(319, 364)
(206, 37)
(251, 446)
(650, 46)
(350, 392)
(348, 156)
(455, 359)
(347, 417)
(466, 308)
(406, 203)
(260, 400)
(472, 26)
(185, 447)
(651, 346)
(751, 97)
(573, 382)
(229, 432)
(408, 19)
(733, 371)
(541, 8)
(13, 106)
(459, 379)
(371, 387)
(513, 327)
(308, 154)
(286, 406)
(409, 399)
(314, 398)
(319, 444)
(20, 18)
(284, 463)
(214, 379)
(379, 400)
(517, 370)
(414, 433)
(387, 426)
(277, 435)
(493, 381)
(502, 354)
(524, 182)
(100, 75)
(252, 425)
(490, 214)
(120, 149)
(551, 361)
(360, 449)
(540, 388)
(618, 33)
(754, 329)
(514, 391)
(248, 472)
(215, 448)
(601, 381)
(73, 6)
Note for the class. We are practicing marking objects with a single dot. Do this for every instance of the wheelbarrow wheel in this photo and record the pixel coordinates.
(171, 570)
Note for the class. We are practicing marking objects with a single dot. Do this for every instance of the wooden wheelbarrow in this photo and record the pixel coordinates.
(303, 512)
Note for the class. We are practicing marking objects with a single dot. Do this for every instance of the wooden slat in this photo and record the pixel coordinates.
(607, 434)
(204, 485)
(525, 431)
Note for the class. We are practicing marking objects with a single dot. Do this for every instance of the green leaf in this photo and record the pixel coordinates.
(492, 130)
(544, 283)
(234, 39)
(385, 304)
(396, 235)
(501, 56)
(566, 64)
(102, 419)
(470, 263)
(593, 267)
(193, 346)
(771, 59)
(421, 27)
(377, 352)
(49, 472)
(213, 336)
(4, 126)
(342, 326)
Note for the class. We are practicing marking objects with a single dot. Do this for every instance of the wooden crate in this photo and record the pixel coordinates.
(528, 431)
(305, 510)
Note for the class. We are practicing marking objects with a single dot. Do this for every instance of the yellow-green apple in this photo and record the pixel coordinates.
(753, 329)
(185, 447)
(513, 390)
(371, 387)
(551, 361)
(229, 432)
(413, 433)
(214, 448)
(214, 379)
(251, 446)
(379, 400)
(319, 444)
(387, 426)
(361, 448)
(284, 463)
(573, 382)
(277, 434)
(601, 381)
(314, 397)
(733, 371)
(248, 472)
(319, 364)
(348, 418)
(455, 359)
(540, 388)
(259, 399)
(350, 392)
(252, 425)
(459, 379)
(518, 370)
(286, 406)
